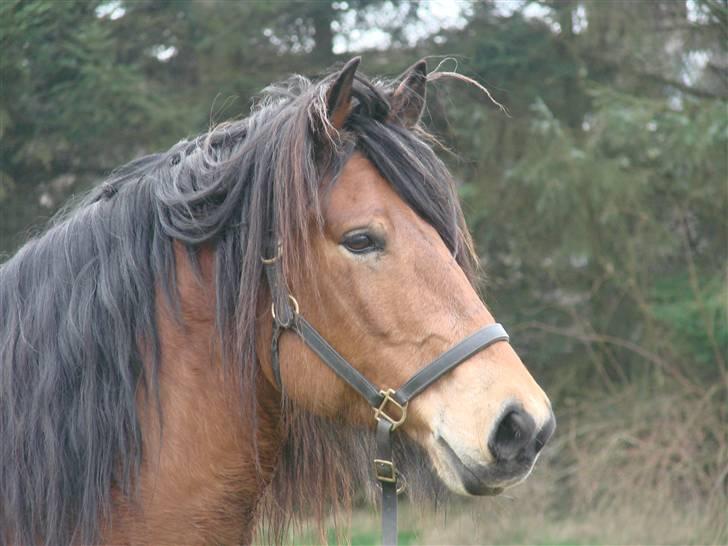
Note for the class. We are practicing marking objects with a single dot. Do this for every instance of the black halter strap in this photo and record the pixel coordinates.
(390, 406)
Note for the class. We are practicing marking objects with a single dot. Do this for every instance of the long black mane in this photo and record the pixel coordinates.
(78, 336)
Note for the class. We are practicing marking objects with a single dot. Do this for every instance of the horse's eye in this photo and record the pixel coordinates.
(359, 243)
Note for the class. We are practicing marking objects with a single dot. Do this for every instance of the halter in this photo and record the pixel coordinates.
(389, 405)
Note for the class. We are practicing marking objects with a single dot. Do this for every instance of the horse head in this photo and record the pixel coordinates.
(390, 285)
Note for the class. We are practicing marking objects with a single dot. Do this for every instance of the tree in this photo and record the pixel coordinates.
(63, 93)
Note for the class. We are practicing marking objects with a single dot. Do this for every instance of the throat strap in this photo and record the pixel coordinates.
(389, 480)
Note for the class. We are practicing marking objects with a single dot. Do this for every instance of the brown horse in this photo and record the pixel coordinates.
(138, 398)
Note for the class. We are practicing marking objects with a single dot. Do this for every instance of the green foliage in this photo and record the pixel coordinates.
(697, 322)
(620, 204)
(63, 87)
(71, 108)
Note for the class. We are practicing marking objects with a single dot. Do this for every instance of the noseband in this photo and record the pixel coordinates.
(389, 405)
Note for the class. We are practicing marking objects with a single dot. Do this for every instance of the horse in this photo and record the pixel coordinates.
(141, 397)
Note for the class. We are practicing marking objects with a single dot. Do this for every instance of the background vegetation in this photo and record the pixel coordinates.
(599, 205)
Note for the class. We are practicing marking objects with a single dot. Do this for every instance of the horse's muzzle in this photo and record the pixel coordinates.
(515, 444)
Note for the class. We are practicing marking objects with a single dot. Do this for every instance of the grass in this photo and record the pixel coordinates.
(523, 519)
(627, 468)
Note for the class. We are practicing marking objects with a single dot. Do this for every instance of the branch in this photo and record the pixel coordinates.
(702, 93)
(619, 342)
(625, 66)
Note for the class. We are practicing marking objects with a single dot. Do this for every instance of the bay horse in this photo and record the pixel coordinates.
(141, 397)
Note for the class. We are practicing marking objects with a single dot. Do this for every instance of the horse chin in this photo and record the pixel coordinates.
(469, 478)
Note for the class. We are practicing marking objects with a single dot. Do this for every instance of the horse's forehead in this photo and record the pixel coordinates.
(361, 190)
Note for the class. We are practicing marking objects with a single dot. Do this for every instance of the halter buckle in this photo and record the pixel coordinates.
(380, 413)
(385, 471)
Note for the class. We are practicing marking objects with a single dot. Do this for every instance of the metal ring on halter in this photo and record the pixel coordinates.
(399, 480)
(274, 259)
(293, 301)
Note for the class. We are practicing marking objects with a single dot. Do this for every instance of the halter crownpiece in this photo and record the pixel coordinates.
(389, 405)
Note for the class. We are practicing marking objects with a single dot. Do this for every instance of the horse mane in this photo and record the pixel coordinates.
(77, 303)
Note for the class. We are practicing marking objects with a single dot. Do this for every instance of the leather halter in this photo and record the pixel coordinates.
(389, 405)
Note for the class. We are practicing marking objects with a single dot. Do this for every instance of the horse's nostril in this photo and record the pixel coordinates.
(514, 431)
(544, 435)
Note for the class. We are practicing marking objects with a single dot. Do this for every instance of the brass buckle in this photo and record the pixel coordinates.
(384, 471)
(293, 301)
(380, 413)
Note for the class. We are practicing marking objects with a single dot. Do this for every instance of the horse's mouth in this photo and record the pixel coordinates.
(484, 480)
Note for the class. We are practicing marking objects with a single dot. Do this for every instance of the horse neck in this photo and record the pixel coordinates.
(205, 468)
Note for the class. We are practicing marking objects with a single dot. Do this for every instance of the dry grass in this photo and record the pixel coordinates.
(639, 467)
(642, 466)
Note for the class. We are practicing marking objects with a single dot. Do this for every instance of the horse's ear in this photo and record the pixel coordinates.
(338, 98)
(408, 101)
